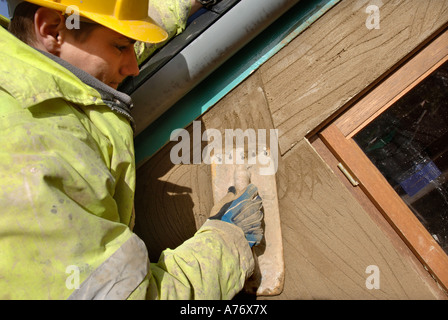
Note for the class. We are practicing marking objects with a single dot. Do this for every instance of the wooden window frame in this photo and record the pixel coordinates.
(338, 138)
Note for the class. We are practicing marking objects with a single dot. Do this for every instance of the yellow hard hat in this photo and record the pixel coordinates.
(128, 17)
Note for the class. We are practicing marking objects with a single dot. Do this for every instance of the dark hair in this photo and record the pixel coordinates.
(22, 24)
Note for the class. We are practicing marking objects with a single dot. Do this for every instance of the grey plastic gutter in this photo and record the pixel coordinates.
(235, 29)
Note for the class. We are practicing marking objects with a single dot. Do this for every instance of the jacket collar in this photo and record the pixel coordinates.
(114, 99)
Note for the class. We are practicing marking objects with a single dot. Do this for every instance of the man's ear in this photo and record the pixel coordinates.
(49, 26)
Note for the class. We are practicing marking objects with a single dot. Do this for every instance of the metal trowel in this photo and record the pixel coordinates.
(238, 169)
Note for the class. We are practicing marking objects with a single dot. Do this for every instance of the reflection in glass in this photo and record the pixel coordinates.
(408, 143)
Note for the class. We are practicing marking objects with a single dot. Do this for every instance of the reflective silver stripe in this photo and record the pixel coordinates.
(118, 276)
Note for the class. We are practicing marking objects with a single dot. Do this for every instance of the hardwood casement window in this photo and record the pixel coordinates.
(392, 144)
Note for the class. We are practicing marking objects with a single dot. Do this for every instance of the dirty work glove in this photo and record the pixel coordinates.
(245, 212)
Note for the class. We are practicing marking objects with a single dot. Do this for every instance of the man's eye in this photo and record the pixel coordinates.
(121, 48)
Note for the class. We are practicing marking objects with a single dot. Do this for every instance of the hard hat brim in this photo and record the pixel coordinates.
(140, 30)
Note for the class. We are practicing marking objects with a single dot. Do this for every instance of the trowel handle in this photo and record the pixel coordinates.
(241, 177)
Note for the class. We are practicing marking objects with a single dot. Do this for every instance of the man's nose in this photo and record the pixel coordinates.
(130, 65)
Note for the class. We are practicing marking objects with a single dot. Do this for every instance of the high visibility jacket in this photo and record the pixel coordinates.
(67, 178)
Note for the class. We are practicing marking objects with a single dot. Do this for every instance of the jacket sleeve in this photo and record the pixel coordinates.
(212, 265)
(172, 15)
(61, 207)
(59, 213)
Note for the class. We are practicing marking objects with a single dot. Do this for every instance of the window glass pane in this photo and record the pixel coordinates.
(408, 143)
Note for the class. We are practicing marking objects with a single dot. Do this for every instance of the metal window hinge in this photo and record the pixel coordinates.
(348, 175)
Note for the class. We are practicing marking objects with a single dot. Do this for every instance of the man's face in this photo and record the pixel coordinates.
(105, 54)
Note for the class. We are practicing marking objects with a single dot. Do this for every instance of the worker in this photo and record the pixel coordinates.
(67, 167)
